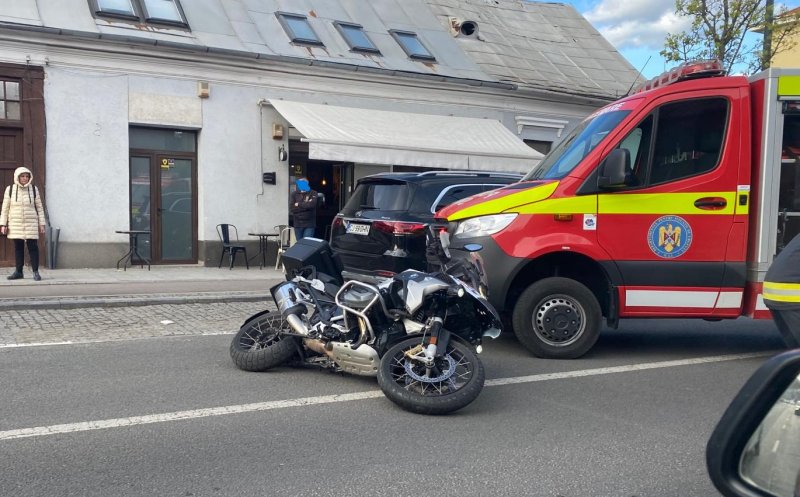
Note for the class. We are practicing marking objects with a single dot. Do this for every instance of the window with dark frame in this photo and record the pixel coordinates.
(298, 29)
(355, 37)
(10, 100)
(168, 12)
(688, 141)
(539, 145)
(412, 45)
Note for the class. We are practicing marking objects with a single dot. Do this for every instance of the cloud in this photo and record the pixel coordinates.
(636, 23)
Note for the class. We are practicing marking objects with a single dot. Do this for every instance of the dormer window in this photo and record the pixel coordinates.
(412, 45)
(167, 12)
(298, 29)
(355, 37)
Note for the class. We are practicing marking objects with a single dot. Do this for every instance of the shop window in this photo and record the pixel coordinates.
(355, 37)
(412, 45)
(167, 12)
(10, 100)
(298, 29)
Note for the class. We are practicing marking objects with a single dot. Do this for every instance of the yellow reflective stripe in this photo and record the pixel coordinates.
(584, 204)
(780, 298)
(662, 203)
(782, 286)
(742, 209)
(498, 205)
(781, 292)
(789, 85)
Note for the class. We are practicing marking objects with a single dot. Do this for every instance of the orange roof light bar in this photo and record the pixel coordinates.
(688, 70)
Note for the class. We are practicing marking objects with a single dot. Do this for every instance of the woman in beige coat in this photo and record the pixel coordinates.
(22, 219)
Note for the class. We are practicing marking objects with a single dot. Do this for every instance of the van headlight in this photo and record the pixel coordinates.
(484, 225)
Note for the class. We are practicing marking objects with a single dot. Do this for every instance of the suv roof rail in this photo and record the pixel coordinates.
(505, 174)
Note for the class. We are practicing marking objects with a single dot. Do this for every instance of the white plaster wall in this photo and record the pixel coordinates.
(87, 153)
(230, 164)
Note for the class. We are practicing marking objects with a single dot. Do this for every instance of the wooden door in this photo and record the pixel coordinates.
(10, 159)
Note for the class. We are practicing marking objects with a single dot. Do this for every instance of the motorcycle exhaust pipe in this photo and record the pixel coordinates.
(297, 324)
(286, 299)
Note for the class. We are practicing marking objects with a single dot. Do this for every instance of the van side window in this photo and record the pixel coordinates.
(689, 138)
(688, 141)
(638, 145)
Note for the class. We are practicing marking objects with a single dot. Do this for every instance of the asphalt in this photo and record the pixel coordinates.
(135, 286)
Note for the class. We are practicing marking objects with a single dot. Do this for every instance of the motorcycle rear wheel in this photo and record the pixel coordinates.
(259, 344)
(455, 382)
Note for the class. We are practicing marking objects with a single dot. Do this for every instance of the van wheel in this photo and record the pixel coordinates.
(557, 318)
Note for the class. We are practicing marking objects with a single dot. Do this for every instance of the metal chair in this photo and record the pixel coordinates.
(232, 248)
(285, 240)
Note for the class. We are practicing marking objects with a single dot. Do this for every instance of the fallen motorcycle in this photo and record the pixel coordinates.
(419, 333)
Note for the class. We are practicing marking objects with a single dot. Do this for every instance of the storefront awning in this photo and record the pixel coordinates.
(351, 134)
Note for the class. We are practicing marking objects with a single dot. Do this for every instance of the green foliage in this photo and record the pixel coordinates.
(718, 32)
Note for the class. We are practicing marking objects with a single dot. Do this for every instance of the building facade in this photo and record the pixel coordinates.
(173, 117)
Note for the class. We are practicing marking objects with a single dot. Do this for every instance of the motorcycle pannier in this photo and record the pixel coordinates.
(312, 252)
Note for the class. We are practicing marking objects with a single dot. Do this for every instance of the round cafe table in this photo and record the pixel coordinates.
(263, 243)
(133, 250)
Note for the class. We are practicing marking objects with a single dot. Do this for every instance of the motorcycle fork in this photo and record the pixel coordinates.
(439, 337)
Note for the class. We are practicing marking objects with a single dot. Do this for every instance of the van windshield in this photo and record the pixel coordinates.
(577, 145)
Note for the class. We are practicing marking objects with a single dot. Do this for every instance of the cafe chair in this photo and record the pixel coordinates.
(228, 232)
(285, 240)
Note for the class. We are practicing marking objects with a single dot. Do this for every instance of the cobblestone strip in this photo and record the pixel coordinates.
(7, 304)
(92, 324)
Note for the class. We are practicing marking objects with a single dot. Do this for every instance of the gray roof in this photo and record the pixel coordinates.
(531, 45)
(539, 45)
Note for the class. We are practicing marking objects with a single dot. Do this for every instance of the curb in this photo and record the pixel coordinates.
(128, 300)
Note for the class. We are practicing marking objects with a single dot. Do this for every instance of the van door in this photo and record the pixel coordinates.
(667, 228)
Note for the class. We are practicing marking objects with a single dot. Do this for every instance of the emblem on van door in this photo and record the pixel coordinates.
(669, 237)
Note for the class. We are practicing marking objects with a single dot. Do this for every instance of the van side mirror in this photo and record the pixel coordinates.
(611, 172)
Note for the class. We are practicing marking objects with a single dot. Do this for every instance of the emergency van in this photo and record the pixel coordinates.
(669, 203)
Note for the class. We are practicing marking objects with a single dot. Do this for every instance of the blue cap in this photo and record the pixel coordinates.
(302, 185)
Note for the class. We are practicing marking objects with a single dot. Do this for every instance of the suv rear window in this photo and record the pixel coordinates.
(384, 196)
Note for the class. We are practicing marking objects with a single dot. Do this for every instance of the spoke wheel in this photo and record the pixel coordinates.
(260, 343)
(453, 380)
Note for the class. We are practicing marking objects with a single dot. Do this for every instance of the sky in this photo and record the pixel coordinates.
(637, 28)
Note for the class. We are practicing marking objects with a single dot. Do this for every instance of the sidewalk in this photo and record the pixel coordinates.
(74, 288)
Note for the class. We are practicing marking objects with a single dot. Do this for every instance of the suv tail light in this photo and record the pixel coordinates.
(398, 227)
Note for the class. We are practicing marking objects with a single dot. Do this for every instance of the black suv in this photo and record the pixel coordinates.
(382, 226)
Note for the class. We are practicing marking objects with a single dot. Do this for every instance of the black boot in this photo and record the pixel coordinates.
(36, 276)
(16, 275)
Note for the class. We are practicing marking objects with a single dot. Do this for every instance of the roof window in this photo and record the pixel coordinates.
(355, 37)
(411, 44)
(145, 11)
(298, 28)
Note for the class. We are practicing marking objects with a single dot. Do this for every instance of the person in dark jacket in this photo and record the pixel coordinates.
(304, 209)
(781, 292)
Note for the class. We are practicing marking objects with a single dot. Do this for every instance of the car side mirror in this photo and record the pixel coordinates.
(611, 172)
(755, 448)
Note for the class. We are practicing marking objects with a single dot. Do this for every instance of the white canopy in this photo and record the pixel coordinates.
(351, 134)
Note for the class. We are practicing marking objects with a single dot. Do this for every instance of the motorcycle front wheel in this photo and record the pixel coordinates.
(260, 345)
(455, 380)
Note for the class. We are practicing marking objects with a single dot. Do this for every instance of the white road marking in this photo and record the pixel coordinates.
(328, 399)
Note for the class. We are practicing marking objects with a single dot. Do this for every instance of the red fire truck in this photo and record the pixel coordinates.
(671, 202)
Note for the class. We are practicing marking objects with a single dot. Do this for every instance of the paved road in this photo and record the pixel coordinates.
(178, 419)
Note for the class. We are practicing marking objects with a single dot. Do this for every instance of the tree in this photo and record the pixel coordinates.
(719, 28)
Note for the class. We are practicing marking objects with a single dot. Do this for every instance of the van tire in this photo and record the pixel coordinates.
(557, 318)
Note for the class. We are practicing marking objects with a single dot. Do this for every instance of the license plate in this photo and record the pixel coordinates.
(358, 229)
